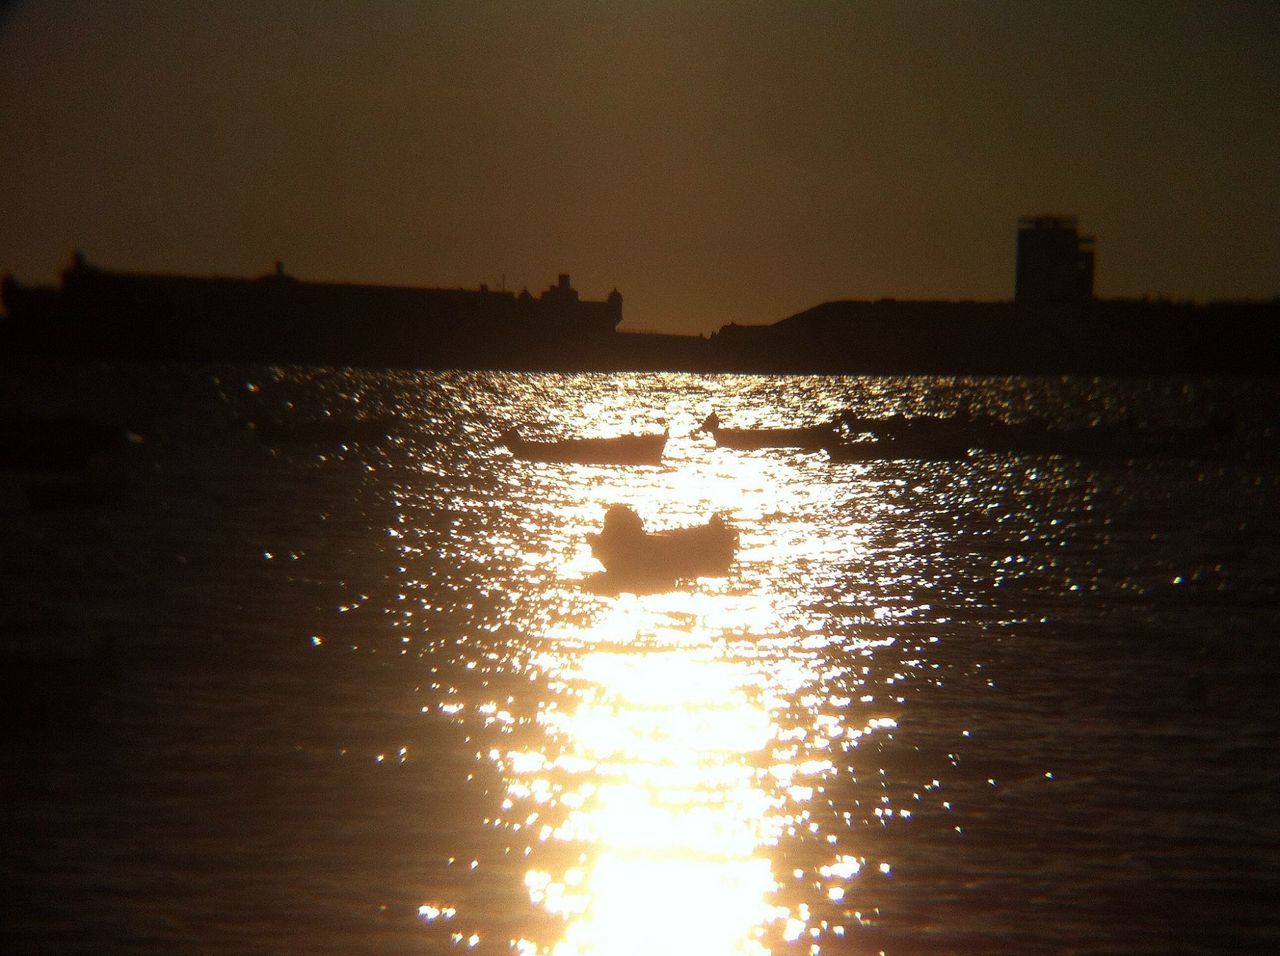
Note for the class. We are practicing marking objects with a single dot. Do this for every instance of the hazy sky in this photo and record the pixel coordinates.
(715, 161)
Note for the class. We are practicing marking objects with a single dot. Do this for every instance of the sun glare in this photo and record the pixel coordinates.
(672, 760)
(677, 821)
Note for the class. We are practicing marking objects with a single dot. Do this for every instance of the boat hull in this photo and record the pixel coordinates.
(813, 438)
(897, 450)
(622, 450)
(706, 550)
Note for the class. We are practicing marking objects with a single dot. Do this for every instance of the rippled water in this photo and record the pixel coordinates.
(365, 702)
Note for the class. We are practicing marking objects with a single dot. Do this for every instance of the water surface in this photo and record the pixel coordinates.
(367, 701)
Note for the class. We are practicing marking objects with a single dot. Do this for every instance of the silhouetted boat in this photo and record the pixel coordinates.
(943, 437)
(898, 449)
(1114, 441)
(811, 437)
(621, 450)
(629, 553)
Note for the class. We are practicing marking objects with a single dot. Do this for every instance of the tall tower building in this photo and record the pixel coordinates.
(1055, 262)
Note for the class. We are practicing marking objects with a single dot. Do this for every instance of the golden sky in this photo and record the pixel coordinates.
(715, 161)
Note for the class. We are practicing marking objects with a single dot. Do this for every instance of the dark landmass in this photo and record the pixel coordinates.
(278, 318)
(96, 313)
(1103, 336)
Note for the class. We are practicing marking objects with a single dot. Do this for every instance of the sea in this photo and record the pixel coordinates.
(307, 663)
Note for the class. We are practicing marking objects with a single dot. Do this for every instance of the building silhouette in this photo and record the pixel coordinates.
(1054, 325)
(278, 318)
(1055, 262)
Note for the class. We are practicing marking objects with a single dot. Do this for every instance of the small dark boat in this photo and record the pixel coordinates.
(621, 450)
(897, 449)
(811, 437)
(629, 553)
(945, 435)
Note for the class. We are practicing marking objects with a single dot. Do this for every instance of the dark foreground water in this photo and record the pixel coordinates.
(357, 697)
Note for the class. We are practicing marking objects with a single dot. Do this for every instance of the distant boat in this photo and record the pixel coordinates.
(897, 449)
(947, 437)
(620, 450)
(811, 437)
(629, 553)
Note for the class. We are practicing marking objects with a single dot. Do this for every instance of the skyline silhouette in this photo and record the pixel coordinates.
(718, 165)
(1055, 324)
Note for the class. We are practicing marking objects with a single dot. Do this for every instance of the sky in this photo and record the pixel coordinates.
(714, 161)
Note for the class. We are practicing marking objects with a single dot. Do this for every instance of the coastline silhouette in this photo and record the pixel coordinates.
(1053, 325)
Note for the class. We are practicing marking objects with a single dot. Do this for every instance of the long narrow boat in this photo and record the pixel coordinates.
(945, 437)
(810, 437)
(620, 450)
(897, 449)
(630, 553)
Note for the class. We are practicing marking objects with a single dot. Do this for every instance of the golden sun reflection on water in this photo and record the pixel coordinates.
(682, 741)
(677, 817)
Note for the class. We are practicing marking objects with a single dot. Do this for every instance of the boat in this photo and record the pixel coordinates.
(951, 437)
(620, 450)
(897, 449)
(810, 437)
(630, 553)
